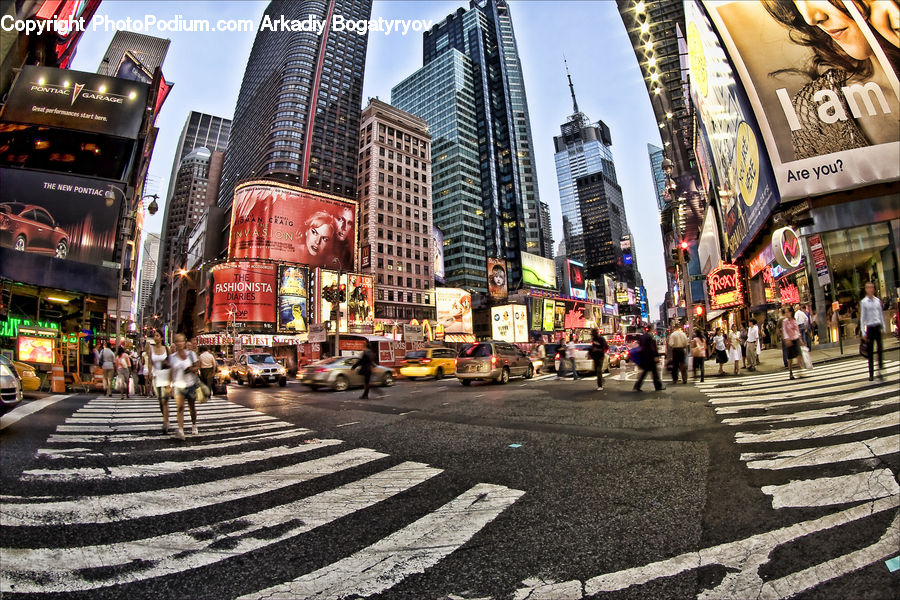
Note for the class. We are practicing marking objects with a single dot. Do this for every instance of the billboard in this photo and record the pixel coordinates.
(293, 299)
(549, 310)
(729, 137)
(538, 271)
(725, 287)
(609, 290)
(243, 295)
(577, 286)
(437, 245)
(821, 82)
(502, 323)
(278, 222)
(77, 100)
(454, 309)
(520, 322)
(496, 274)
(35, 349)
(360, 300)
(328, 310)
(60, 216)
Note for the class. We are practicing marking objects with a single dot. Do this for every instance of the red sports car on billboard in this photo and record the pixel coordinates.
(30, 228)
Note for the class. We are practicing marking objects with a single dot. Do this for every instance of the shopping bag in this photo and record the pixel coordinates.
(805, 359)
(203, 393)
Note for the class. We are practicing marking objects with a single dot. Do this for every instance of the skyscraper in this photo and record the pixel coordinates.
(149, 260)
(297, 113)
(659, 176)
(149, 50)
(200, 131)
(513, 217)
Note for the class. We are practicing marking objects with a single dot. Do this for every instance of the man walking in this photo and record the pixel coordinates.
(365, 363)
(802, 321)
(678, 342)
(571, 349)
(108, 364)
(752, 346)
(207, 364)
(649, 358)
(599, 348)
(871, 325)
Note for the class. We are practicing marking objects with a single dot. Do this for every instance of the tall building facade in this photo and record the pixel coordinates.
(200, 131)
(149, 265)
(149, 50)
(656, 171)
(395, 208)
(513, 217)
(442, 94)
(297, 114)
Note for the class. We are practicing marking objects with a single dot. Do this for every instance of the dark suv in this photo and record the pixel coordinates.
(492, 361)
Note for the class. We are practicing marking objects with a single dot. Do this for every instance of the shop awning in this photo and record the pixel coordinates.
(714, 314)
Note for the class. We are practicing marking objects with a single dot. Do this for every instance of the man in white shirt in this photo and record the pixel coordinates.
(803, 323)
(571, 349)
(871, 324)
(207, 364)
(752, 345)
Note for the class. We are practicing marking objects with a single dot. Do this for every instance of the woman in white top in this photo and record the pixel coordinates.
(721, 354)
(734, 348)
(159, 376)
(123, 371)
(184, 382)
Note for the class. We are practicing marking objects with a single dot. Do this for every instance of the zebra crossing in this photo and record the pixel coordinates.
(108, 466)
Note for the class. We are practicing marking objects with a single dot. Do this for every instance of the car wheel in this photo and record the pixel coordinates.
(466, 382)
(62, 249)
(411, 378)
(313, 388)
(387, 380)
(341, 384)
(282, 382)
(20, 243)
(504, 376)
(439, 374)
(529, 372)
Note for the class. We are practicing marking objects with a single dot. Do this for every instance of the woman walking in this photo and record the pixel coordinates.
(791, 335)
(698, 353)
(721, 355)
(160, 376)
(184, 383)
(123, 372)
(734, 348)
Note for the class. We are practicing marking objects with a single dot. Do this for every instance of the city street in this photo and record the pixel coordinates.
(740, 487)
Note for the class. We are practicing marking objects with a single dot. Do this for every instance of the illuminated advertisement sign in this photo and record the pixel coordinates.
(293, 299)
(577, 286)
(559, 315)
(549, 308)
(437, 249)
(243, 295)
(273, 221)
(609, 290)
(360, 301)
(538, 271)
(328, 311)
(520, 322)
(621, 293)
(725, 287)
(454, 309)
(502, 323)
(35, 349)
(826, 128)
(786, 248)
(789, 294)
(77, 100)
(496, 274)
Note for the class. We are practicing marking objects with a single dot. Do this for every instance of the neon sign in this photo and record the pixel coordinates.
(725, 287)
(790, 294)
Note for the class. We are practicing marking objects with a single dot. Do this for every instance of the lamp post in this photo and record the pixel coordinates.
(132, 212)
(337, 325)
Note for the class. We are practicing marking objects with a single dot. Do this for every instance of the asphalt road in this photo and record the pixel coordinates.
(537, 489)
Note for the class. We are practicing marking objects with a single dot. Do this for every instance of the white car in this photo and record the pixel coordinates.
(583, 361)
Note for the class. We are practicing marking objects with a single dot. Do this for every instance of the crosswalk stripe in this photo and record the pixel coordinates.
(808, 457)
(76, 453)
(149, 426)
(160, 469)
(819, 431)
(831, 369)
(206, 417)
(891, 399)
(206, 432)
(20, 412)
(808, 415)
(828, 491)
(408, 551)
(135, 505)
(168, 554)
(795, 391)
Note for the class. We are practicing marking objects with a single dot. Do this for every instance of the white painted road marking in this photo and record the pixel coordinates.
(99, 438)
(22, 411)
(828, 491)
(807, 457)
(807, 432)
(411, 550)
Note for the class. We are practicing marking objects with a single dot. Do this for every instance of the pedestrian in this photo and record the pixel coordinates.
(802, 320)
(160, 376)
(95, 355)
(734, 348)
(698, 353)
(141, 368)
(123, 372)
(365, 363)
(790, 332)
(649, 359)
(570, 351)
(744, 344)
(207, 367)
(539, 354)
(108, 364)
(678, 342)
(871, 324)
(718, 342)
(599, 348)
(183, 363)
(752, 345)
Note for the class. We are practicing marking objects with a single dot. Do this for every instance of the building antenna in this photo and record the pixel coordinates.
(571, 87)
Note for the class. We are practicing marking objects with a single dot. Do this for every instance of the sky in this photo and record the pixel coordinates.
(207, 68)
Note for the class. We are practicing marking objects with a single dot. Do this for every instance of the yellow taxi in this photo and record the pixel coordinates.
(429, 362)
(30, 381)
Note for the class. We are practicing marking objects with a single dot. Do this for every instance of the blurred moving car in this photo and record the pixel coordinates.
(27, 375)
(10, 386)
(338, 374)
(26, 227)
(429, 362)
(583, 361)
(258, 368)
(492, 361)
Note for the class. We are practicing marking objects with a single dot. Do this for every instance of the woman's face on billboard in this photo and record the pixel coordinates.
(884, 15)
(344, 220)
(837, 24)
(317, 237)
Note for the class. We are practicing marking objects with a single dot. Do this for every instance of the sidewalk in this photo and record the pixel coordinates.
(771, 360)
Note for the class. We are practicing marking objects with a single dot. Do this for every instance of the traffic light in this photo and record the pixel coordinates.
(698, 310)
(684, 245)
(342, 295)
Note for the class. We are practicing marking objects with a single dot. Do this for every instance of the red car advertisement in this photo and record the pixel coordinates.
(243, 295)
(59, 215)
(283, 223)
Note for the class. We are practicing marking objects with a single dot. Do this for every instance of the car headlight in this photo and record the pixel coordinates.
(254, 370)
(28, 374)
(282, 370)
(224, 372)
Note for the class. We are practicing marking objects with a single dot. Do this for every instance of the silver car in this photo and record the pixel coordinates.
(10, 386)
(583, 361)
(492, 361)
(338, 374)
